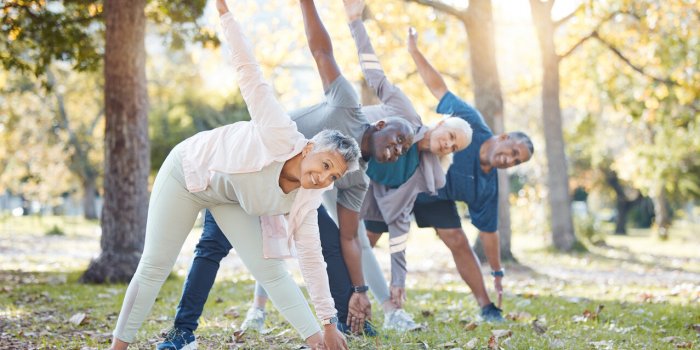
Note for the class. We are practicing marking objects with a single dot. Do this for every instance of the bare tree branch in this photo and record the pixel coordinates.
(566, 18)
(579, 43)
(442, 7)
(594, 32)
(629, 63)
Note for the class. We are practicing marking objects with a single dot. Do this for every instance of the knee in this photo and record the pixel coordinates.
(209, 249)
(269, 272)
(454, 238)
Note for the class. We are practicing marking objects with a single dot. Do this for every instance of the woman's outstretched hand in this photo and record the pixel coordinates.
(221, 7)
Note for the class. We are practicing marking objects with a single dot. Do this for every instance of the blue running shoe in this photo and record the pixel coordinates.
(490, 313)
(178, 339)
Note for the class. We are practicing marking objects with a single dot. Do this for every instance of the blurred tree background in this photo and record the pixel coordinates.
(607, 89)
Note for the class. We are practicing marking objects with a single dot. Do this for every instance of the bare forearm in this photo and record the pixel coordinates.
(431, 77)
(319, 44)
(348, 221)
(316, 34)
(492, 249)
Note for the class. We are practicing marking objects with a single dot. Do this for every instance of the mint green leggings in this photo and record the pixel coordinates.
(171, 214)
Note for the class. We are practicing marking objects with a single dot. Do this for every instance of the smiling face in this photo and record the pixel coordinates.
(445, 140)
(508, 152)
(391, 139)
(320, 169)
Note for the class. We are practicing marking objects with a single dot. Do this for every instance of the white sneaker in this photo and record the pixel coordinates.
(254, 320)
(399, 320)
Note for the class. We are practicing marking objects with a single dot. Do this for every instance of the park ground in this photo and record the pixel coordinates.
(633, 292)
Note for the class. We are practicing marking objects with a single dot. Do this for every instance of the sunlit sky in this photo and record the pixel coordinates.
(517, 49)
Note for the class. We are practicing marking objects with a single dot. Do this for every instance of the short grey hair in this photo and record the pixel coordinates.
(457, 124)
(334, 140)
(521, 137)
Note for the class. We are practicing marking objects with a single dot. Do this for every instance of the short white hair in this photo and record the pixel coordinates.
(333, 140)
(457, 124)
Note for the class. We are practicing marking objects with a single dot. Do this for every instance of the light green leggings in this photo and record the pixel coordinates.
(171, 214)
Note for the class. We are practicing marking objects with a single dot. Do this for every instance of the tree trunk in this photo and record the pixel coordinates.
(127, 147)
(558, 178)
(624, 204)
(89, 198)
(662, 216)
(488, 99)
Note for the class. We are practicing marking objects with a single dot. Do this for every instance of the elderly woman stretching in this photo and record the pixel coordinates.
(247, 174)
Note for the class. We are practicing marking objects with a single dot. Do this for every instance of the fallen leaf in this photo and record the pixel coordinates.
(448, 345)
(219, 300)
(696, 327)
(539, 326)
(493, 343)
(426, 313)
(684, 345)
(78, 319)
(516, 316)
(670, 339)
(470, 326)
(501, 333)
(238, 336)
(232, 312)
(471, 344)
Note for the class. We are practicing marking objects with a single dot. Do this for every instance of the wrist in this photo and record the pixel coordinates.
(359, 289)
(329, 322)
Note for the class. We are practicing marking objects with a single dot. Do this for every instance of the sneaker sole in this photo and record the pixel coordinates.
(190, 346)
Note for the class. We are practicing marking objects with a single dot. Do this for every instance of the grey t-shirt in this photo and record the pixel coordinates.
(340, 111)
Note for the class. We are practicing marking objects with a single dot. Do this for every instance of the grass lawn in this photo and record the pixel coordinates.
(634, 293)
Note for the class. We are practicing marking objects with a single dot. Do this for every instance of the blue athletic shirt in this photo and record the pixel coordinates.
(465, 180)
(397, 173)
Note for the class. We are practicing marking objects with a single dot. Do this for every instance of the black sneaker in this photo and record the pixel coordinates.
(490, 313)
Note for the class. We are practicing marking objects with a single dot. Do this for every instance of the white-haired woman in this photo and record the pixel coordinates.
(248, 174)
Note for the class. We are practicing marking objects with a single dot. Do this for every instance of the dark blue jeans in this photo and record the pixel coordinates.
(213, 246)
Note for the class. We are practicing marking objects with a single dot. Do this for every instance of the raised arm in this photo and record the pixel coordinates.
(391, 96)
(257, 93)
(319, 43)
(431, 77)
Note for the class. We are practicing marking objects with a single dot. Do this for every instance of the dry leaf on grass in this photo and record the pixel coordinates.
(78, 319)
(470, 326)
(471, 344)
(539, 326)
(670, 339)
(426, 313)
(518, 316)
(232, 312)
(501, 333)
(696, 327)
(238, 336)
(684, 345)
(493, 343)
(448, 345)
(589, 315)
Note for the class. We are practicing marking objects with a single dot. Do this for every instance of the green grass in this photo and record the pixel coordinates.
(648, 290)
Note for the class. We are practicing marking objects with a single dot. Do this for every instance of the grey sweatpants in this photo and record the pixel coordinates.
(171, 214)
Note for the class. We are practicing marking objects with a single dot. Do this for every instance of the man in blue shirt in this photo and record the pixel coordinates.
(473, 179)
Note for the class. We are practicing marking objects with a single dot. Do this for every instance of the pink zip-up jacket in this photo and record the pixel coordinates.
(244, 147)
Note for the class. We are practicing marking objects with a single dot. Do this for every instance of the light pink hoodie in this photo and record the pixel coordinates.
(244, 147)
